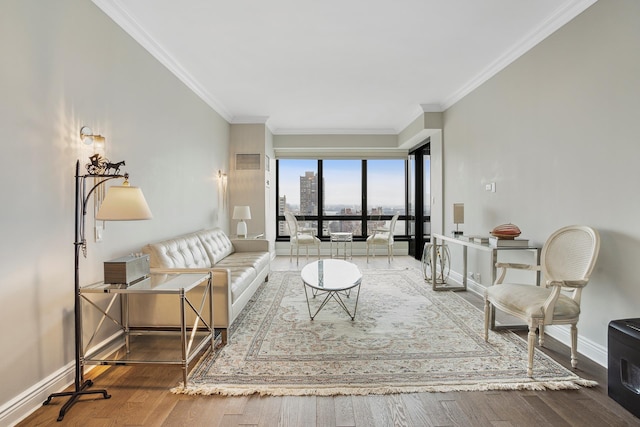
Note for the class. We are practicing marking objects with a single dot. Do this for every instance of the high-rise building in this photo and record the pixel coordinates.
(283, 230)
(309, 194)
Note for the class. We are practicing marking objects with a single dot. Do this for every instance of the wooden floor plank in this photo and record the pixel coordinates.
(380, 411)
(271, 412)
(540, 408)
(299, 411)
(251, 411)
(611, 414)
(417, 410)
(362, 411)
(344, 411)
(398, 410)
(459, 412)
(437, 413)
(325, 411)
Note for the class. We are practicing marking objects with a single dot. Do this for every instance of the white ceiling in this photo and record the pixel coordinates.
(337, 66)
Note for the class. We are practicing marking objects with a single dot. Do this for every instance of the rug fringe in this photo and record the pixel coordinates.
(224, 390)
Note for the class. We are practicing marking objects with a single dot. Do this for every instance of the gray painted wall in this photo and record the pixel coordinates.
(65, 64)
(557, 131)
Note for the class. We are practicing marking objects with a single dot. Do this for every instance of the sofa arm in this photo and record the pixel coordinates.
(221, 278)
(250, 245)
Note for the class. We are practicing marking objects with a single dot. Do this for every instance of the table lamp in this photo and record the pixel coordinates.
(458, 217)
(241, 213)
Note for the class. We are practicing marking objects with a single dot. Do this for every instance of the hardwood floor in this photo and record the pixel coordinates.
(140, 397)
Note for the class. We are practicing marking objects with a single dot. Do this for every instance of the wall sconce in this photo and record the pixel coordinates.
(458, 217)
(222, 186)
(88, 137)
(98, 165)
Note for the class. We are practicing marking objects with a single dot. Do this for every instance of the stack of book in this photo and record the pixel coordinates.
(480, 239)
(474, 239)
(497, 242)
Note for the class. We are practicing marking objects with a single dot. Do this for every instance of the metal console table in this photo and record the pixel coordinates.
(437, 286)
(134, 340)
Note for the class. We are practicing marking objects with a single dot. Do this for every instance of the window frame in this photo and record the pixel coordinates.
(364, 217)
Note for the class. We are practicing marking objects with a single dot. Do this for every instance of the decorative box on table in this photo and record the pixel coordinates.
(126, 270)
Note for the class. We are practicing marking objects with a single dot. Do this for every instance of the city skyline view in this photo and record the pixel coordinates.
(342, 193)
(342, 180)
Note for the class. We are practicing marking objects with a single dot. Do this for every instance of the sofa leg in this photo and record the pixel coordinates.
(266, 278)
(223, 336)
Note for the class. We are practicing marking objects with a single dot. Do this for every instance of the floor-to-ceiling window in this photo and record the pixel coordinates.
(386, 192)
(297, 192)
(342, 196)
(353, 195)
(419, 200)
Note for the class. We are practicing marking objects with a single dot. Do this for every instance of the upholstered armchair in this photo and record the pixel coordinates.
(566, 262)
(300, 237)
(383, 236)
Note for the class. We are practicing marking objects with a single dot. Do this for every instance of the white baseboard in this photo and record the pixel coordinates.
(23, 405)
(31, 399)
(586, 347)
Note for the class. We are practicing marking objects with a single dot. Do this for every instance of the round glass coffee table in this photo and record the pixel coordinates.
(333, 279)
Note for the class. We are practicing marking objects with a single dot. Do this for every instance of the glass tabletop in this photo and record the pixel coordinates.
(331, 275)
(155, 283)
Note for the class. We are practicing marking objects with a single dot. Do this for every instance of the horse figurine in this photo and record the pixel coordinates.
(114, 166)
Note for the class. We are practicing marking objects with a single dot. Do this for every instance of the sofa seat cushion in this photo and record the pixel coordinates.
(257, 260)
(182, 252)
(216, 243)
(528, 301)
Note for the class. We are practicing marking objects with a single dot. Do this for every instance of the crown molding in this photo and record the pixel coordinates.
(431, 108)
(562, 16)
(249, 120)
(114, 10)
(305, 131)
(339, 152)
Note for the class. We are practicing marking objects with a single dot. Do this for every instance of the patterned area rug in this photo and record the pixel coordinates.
(405, 338)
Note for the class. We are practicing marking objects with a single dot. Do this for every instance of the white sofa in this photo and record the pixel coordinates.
(238, 268)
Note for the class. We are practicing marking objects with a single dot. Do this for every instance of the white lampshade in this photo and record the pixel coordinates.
(241, 212)
(458, 213)
(124, 203)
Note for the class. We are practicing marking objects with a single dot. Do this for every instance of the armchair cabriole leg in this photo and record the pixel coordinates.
(574, 346)
(487, 311)
(531, 347)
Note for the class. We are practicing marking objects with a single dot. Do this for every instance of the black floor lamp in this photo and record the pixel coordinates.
(122, 203)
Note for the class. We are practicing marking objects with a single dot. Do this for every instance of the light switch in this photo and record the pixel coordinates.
(490, 187)
(99, 229)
